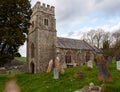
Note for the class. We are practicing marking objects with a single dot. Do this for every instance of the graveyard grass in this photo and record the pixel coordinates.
(21, 59)
(44, 82)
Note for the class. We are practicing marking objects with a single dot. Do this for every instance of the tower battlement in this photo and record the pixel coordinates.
(43, 7)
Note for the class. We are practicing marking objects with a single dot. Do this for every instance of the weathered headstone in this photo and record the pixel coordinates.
(109, 59)
(79, 73)
(117, 58)
(103, 72)
(90, 88)
(64, 65)
(57, 63)
(50, 66)
(118, 65)
(56, 73)
(90, 63)
(62, 71)
(74, 64)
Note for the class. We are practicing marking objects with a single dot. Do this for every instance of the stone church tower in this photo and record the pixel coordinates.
(41, 37)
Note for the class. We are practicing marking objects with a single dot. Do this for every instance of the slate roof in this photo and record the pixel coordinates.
(68, 43)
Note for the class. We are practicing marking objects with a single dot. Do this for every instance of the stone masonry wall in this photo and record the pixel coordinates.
(76, 56)
(43, 36)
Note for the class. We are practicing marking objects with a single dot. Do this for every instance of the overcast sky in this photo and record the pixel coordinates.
(76, 16)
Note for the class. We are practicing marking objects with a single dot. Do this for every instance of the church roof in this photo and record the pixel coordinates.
(68, 43)
(97, 49)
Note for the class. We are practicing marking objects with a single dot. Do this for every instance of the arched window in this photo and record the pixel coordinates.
(68, 57)
(46, 22)
(32, 50)
(87, 56)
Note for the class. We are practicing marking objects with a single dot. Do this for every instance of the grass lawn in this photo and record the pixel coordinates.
(21, 59)
(44, 82)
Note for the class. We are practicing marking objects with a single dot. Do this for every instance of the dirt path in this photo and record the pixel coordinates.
(11, 86)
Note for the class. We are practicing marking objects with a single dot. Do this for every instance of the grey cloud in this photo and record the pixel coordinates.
(70, 10)
(70, 33)
(109, 7)
(76, 9)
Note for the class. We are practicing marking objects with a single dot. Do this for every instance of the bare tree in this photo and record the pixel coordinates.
(84, 36)
(91, 36)
(98, 36)
(107, 39)
(116, 36)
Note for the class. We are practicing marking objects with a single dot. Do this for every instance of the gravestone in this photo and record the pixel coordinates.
(118, 65)
(57, 63)
(117, 58)
(90, 88)
(56, 73)
(109, 59)
(50, 65)
(62, 71)
(90, 63)
(74, 64)
(64, 65)
(103, 71)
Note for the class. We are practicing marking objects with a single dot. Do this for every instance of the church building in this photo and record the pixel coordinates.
(43, 43)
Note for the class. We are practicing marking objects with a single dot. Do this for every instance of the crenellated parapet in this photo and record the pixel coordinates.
(42, 7)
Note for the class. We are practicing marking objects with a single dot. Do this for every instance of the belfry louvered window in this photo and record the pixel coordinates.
(46, 22)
